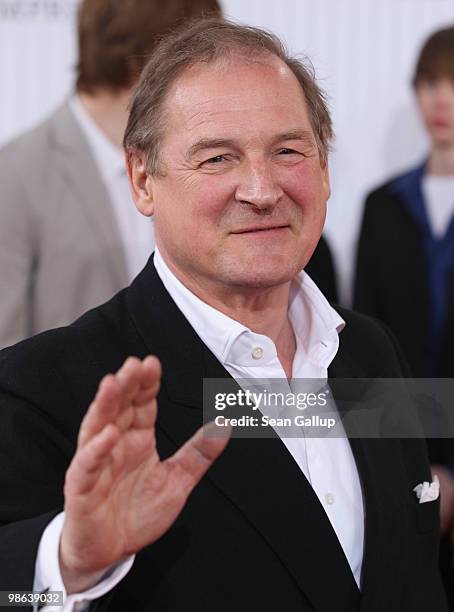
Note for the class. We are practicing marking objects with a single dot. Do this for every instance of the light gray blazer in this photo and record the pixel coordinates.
(60, 248)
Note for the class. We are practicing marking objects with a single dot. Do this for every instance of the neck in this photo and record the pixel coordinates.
(262, 310)
(441, 161)
(109, 110)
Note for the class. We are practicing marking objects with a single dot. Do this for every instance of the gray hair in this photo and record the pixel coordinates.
(207, 41)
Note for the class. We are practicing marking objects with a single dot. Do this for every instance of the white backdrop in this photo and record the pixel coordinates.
(363, 52)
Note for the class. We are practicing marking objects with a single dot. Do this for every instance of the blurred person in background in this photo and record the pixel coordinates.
(70, 236)
(405, 258)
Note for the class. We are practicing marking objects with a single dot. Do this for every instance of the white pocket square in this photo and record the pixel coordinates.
(428, 491)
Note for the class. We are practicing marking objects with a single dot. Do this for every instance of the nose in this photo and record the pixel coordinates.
(445, 92)
(258, 187)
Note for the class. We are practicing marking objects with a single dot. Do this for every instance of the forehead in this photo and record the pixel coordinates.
(435, 75)
(236, 98)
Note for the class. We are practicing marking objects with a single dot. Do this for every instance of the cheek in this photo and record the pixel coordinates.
(192, 216)
(425, 105)
(424, 108)
(308, 190)
(209, 200)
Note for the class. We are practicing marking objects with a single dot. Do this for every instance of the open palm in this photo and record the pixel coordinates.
(119, 495)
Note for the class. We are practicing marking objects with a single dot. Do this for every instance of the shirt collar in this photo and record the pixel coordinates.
(316, 324)
(109, 158)
(217, 330)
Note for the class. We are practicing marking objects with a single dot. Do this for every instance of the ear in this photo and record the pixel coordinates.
(140, 182)
(326, 181)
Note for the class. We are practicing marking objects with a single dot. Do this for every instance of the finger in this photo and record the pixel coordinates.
(135, 383)
(115, 394)
(103, 409)
(140, 384)
(90, 460)
(145, 416)
(194, 458)
(129, 376)
(145, 405)
(150, 381)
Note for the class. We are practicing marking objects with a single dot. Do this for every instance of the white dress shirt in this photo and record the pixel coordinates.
(327, 463)
(136, 231)
(438, 194)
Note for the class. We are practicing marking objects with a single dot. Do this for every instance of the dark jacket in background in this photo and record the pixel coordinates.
(391, 281)
(321, 270)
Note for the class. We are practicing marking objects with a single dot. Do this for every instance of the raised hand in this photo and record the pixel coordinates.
(119, 495)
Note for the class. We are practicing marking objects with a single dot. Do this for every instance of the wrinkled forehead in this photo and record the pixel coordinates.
(232, 87)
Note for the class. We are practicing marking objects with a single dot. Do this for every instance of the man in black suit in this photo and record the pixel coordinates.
(227, 147)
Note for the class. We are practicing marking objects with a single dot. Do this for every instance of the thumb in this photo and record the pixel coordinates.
(196, 456)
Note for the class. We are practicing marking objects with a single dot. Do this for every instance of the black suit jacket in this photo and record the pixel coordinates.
(391, 281)
(253, 535)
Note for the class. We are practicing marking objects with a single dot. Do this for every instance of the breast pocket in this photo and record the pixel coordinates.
(427, 515)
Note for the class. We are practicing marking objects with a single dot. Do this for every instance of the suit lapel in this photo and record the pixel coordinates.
(382, 476)
(259, 476)
(85, 185)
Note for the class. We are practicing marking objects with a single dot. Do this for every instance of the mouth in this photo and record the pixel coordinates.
(440, 123)
(260, 229)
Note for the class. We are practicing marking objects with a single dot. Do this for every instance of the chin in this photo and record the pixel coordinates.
(443, 143)
(260, 277)
(260, 270)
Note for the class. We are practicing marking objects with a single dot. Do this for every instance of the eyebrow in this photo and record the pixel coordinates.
(216, 143)
(209, 143)
(305, 135)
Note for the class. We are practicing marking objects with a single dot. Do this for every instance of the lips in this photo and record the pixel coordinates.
(260, 228)
(439, 123)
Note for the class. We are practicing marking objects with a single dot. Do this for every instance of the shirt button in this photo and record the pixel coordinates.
(329, 498)
(257, 352)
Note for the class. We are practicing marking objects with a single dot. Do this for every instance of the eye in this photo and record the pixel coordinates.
(287, 151)
(215, 160)
(295, 156)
